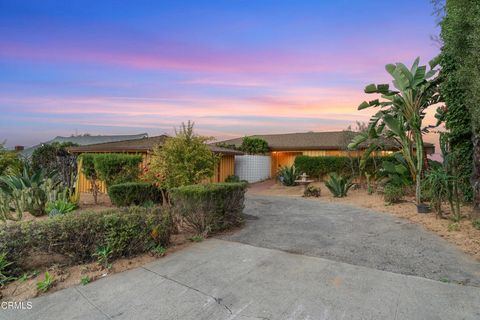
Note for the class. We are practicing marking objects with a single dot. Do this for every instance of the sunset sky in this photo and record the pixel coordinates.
(233, 67)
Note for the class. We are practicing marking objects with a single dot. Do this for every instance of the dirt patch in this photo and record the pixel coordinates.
(466, 237)
(68, 276)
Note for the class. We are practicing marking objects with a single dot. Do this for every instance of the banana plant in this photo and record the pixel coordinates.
(401, 114)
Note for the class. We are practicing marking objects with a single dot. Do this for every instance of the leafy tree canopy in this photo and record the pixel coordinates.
(183, 160)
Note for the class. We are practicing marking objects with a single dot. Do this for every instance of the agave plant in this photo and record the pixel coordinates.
(338, 185)
(402, 112)
(27, 191)
(287, 175)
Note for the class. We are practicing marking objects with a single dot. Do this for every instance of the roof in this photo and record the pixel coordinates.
(328, 140)
(84, 140)
(139, 145)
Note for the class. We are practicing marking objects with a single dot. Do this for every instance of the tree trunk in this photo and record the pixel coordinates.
(419, 152)
(476, 174)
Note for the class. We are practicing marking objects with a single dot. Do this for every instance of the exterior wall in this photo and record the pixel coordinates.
(253, 168)
(225, 168)
(282, 159)
(287, 158)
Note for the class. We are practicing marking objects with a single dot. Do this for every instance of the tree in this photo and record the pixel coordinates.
(88, 169)
(183, 160)
(402, 112)
(9, 160)
(54, 159)
(461, 37)
(254, 146)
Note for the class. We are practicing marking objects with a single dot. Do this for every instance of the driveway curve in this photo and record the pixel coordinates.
(353, 235)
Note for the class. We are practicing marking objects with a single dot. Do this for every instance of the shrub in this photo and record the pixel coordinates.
(134, 193)
(312, 191)
(232, 178)
(9, 161)
(287, 175)
(115, 168)
(76, 236)
(182, 160)
(323, 165)
(437, 187)
(338, 185)
(5, 270)
(393, 193)
(476, 223)
(254, 146)
(210, 208)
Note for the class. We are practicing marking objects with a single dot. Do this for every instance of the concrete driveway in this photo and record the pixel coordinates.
(287, 264)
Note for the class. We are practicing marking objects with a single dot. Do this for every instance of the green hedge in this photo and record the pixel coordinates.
(134, 193)
(76, 236)
(115, 168)
(320, 166)
(210, 208)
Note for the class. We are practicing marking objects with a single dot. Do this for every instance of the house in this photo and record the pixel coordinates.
(84, 139)
(144, 146)
(284, 148)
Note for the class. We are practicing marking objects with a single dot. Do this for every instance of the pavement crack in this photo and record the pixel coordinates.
(216, 299)
(91, 303)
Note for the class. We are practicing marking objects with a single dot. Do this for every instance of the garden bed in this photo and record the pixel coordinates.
(466, 238)
(68, 276)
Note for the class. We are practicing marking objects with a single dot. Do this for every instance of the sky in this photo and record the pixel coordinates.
(233, 67)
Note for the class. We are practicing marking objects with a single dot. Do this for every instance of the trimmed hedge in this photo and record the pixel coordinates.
(115, 168)
(323, 165)
(134, 193)
(210, 208)
(76, 236)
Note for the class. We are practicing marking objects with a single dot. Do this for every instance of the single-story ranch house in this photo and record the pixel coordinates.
(284, 148)
(144, 146)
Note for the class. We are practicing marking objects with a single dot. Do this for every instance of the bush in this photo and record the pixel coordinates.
(210, 208)
(393, 193)
(115, 168)
(76, 236)
(254, 146)
(312, 191)
(338, 185)
(232, 178)
(134, 193)
(287, 176)
(323, 165)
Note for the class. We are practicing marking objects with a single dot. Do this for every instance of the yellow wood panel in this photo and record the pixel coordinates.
(224, 169)
(287, 158)
(282, 159)
(86, 187)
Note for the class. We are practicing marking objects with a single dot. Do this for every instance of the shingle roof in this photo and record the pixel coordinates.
(138, 145)
(328, 140)
(85, 140)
